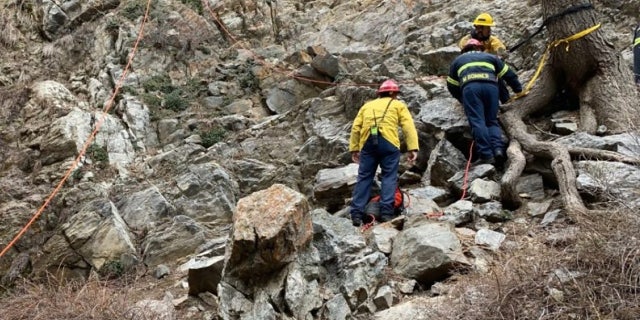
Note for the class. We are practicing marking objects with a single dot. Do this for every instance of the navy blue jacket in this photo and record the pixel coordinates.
(479, 66)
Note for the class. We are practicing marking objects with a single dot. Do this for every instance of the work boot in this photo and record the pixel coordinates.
(480, 161)
(499, 156)
(357, 222)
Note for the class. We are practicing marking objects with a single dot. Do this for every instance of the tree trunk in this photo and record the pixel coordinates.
(588, 67)
(591, 68)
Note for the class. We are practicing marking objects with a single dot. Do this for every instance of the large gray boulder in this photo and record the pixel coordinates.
(269, 228)
(427, 251)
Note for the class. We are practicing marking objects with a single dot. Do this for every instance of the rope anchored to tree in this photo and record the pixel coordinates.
(570, 10)
(545, 56)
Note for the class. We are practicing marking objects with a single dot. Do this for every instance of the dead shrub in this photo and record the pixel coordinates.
(595, 274)
(90, 299)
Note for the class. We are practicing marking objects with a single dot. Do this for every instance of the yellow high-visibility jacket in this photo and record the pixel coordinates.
(397, 115)
(492, 45)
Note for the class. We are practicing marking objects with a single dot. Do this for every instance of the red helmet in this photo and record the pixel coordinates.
(389, 86)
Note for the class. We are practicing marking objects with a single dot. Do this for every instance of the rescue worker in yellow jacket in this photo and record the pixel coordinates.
(490, 44)
(375, 142)
(482, 32)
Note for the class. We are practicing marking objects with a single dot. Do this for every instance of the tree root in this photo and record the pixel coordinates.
(561, 156)
(561, 164)
(561, 159)
(517, 162)
(595, 154)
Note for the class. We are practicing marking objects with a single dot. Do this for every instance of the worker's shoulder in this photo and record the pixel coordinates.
(399, 103)
(372, 102)
(463, 41)
(496, 43)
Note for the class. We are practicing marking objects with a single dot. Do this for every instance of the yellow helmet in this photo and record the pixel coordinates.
(483, 19)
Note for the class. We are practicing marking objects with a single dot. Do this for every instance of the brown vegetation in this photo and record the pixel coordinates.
(90, 299)
(587, 268)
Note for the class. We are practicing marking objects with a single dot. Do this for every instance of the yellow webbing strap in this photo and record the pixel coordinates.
(545, 56)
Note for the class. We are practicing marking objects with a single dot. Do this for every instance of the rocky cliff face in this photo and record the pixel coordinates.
(224, 124)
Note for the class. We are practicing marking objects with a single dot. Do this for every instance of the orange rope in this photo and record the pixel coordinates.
(87, 143)
(370, 224)
(435, 214)
(466, 172)
(440, 213)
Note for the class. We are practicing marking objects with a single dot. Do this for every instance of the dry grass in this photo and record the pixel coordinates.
(10, 36)
(592, 275)
(90, 299)
(16, 17)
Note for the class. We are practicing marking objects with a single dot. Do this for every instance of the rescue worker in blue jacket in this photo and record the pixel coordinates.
(490, 44)
(374, 142)
(473, 80)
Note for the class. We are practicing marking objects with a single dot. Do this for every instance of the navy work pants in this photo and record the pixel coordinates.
(480, 100)
(387, 156)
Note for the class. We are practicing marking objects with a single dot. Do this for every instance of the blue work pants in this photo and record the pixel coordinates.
(481, 104)
(387, 156)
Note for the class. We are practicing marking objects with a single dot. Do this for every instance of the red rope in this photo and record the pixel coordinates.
(435, 214)
(466, 172)
(439, 213)
(370, 224)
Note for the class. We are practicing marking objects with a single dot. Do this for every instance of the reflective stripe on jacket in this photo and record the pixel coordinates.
(479, 66)
(397, 115)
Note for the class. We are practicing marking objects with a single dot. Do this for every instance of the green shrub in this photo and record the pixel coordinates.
(159, 89)
(98, 153)
(195, 5)
(193, 88)
(77, 174)
(151, 100)
(174, 101)
(112, 26)
(111, 269)
(133, 10)
(129, 89)
(160, 83)
(249, 81)
(204, 49)
(212, 136)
